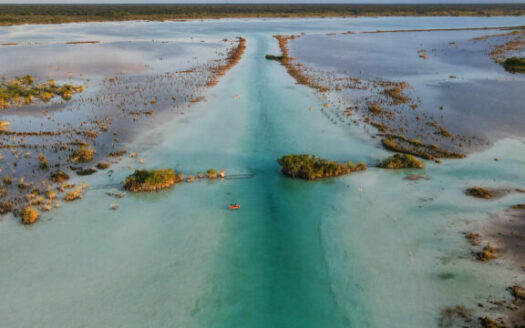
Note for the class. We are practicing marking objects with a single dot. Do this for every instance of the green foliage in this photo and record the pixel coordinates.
(6, 207)
(402, 161)
(62, 13)
(456, 316)
(487, 322)
(43, 162)
(117, 153)
(51, 194)
(144, 180)
(211, 174)
(518, 292)
(416, 148)
(479, 192)
(83, 154)
(514, 64)
(58, 176)
(102, 165)
(487, 253)
(374, 108)
(309, 167)
(7, 180)
(86, 171)
(73, 195)
(23, 91)
(29, 215)
(274, 57)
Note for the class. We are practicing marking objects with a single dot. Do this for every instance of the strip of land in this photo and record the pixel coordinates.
(450, 29)
(13, 14)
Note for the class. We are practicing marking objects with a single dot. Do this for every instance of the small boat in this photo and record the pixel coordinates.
(234, 207)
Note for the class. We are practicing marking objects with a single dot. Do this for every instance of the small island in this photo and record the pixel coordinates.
(83, 154)
(274, 57)
(310, 167)
(488, 253)
(58, 176)
(144, 180)
(514, 64)
(29, 215)
(402, 161)
(479, 192)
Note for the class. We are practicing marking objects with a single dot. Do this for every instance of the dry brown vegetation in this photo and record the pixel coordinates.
(402, 144)
(397, 95)
(233, 57)
(487, 253)
(40, 161)
(503, 235)
(29, 215)
(294, 69)
(479, 192)
(402, 161)
(473, 238)
(509, 44)
(383, 105)
(82, 42)
(515, 40)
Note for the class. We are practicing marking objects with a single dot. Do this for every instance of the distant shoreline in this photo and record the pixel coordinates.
(16, 14)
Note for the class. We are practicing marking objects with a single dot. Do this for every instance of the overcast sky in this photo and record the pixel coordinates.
(263, 1)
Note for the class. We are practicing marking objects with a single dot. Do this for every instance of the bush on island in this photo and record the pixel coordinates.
(274, 57)
(102, 165)
(51, 194)
(73, 195)
(86, 171)
(58, 176)
(309, 167)
(487, 253)
(514, 64)
(144, 180)
(83, 154)
(402, 161)
(211, 174)
(518, 292)
(479, 192)
(43, 162)
(29, 215)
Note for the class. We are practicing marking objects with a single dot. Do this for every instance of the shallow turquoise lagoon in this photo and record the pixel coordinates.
(366, 250)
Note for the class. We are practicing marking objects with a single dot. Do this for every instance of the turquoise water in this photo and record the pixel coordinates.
(366, 250)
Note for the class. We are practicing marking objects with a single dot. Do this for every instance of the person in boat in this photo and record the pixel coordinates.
(234, 206)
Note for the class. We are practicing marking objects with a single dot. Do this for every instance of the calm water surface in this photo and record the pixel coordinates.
(459, 85)
(366, 250)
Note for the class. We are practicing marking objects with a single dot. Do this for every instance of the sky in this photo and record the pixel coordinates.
(263, 1)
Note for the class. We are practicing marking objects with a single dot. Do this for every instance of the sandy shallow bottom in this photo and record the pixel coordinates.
(366, 250)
